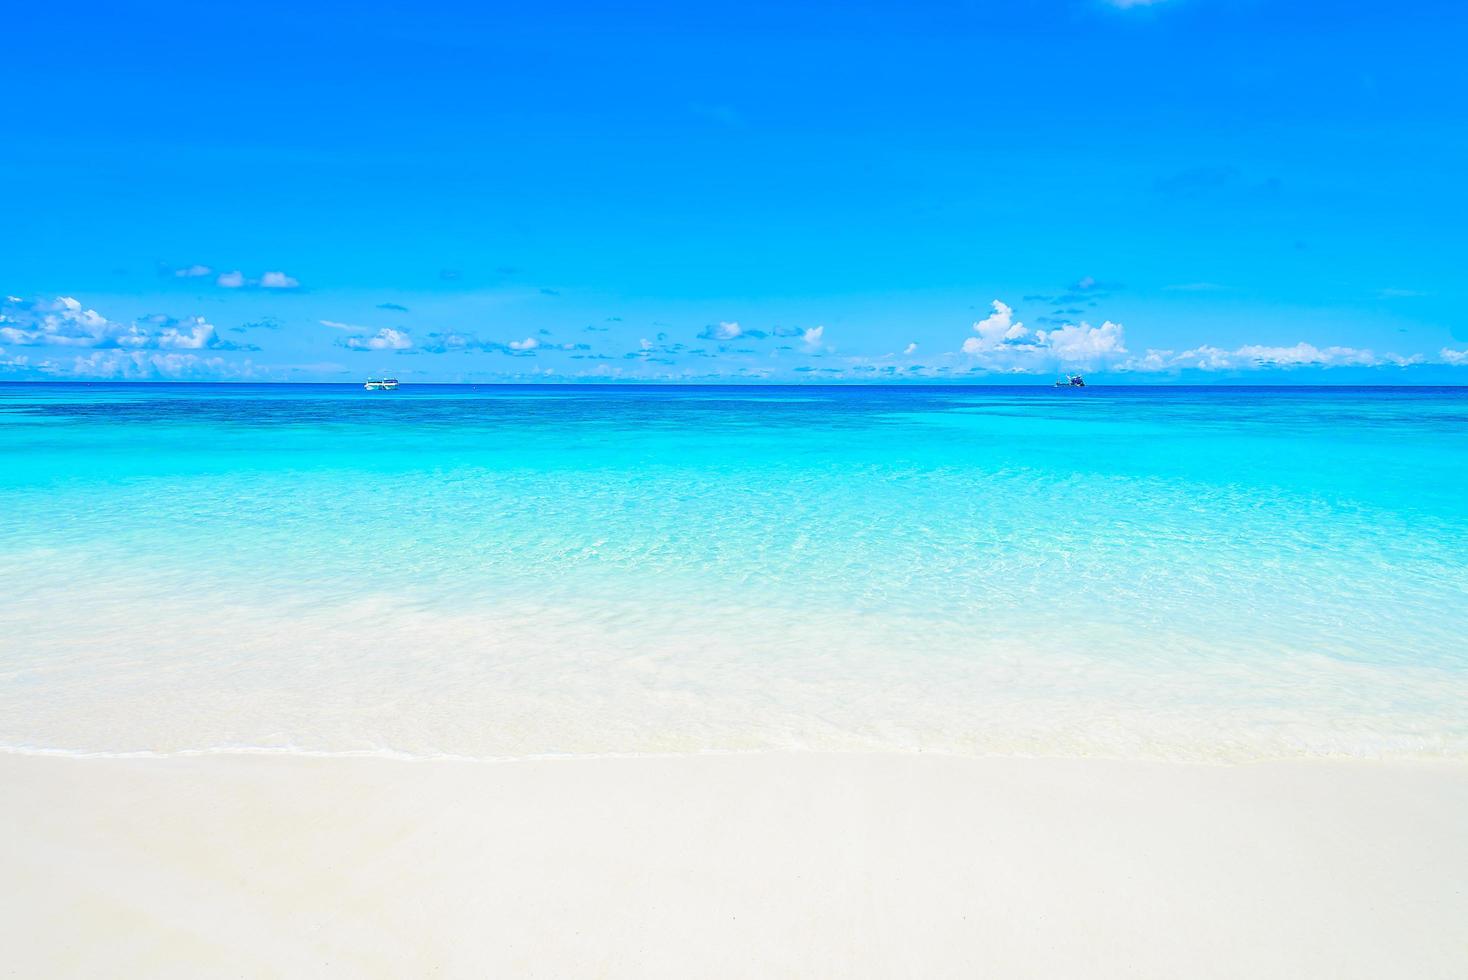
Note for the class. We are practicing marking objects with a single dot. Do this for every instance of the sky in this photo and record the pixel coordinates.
(1174, 191)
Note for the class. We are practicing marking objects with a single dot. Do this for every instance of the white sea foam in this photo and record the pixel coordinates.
(383, 676)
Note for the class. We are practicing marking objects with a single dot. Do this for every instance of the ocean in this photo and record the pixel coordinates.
(1215, 574)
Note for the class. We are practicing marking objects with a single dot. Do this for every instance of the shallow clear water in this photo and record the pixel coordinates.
(506, 571)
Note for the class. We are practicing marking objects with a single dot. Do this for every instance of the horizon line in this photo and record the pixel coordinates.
(680, 384)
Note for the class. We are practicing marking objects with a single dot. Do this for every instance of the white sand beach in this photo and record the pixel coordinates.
(801, 865)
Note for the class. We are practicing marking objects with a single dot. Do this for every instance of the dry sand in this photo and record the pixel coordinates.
(731, 866)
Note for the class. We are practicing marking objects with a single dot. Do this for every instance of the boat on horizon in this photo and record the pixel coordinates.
(381, 384)
(1071, 381)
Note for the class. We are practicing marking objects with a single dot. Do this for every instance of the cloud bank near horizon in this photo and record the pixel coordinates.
(63, 338)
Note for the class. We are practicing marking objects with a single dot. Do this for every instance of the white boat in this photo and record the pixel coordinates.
(381, 384)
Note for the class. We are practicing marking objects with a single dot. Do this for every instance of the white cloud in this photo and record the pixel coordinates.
(338, 325)
(63, 322)
(278, 280)
(1005, 344)
(193, 272)
(385, 339)
(994, 330)
(726, 330)
(529, 343)
(910, 348)
(1456, 358)
(812, 337)
(199, 335)
(138, 365)
(1153, 360)
(1263, 357)
(1083, 342)
(56, 323)
(1303, 354)
(270, 280)
(146, 348)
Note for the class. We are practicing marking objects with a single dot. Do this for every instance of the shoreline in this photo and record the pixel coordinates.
(739, 864)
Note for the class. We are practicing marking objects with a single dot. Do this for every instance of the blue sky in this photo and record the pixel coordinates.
(1176, 191)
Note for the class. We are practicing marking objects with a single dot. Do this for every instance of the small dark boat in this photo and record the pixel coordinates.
(1071, 381)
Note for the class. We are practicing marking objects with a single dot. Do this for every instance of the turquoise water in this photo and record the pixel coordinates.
(508, 571)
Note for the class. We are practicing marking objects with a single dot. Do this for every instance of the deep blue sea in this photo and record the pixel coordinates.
(503, 571)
